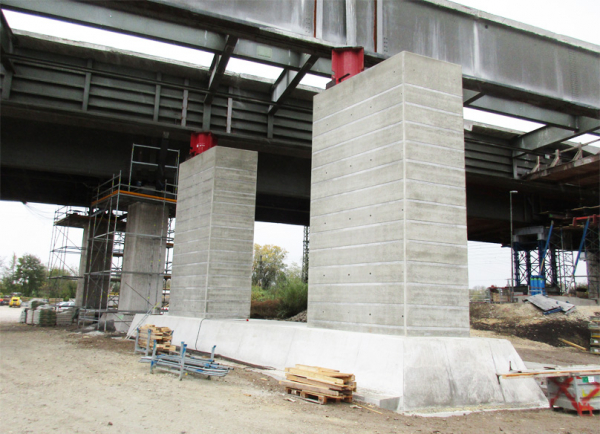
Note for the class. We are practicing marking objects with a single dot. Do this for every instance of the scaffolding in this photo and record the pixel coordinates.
(147, 182)
(554, 253)
(305, 252)
(64, 247)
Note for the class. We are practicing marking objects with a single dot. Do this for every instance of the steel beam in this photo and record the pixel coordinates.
(470, 96)
(218, 67)
(288, 81)
(490, 49)
(6, 39)
(104, 17)
(547, 136)
(522, 110)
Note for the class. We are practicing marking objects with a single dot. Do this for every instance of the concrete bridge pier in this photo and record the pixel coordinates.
(82, 266)
(388, 203)
(143, 257)
(212, 257)
(99, 261)
(592, 260)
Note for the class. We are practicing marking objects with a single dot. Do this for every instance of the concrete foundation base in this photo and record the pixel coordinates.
(414, 374)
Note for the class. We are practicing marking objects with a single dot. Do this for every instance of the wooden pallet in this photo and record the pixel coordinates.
(317, 398)
(317, 384)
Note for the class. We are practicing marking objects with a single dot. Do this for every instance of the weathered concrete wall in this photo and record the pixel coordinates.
(83, 259)
(592, 260)
(143, 256)
(99, 261)
(212, 257)
(388, 210)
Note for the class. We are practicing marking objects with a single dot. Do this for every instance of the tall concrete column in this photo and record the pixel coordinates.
(388, 206)
(143, 256)
(99, 263)
(592, 261)
(82, 267)
(214, 236)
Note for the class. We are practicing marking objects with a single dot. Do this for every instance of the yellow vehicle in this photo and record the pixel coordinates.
(15, 302)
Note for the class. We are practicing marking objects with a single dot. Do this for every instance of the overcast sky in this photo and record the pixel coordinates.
(27, 228)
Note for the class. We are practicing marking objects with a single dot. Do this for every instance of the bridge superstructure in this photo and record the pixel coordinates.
(108, 98)
(71, 110)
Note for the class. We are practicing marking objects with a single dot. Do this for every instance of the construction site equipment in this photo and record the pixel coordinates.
(184, 363)
(319, 385)
(152, 179)
(548, 305)
(500, 295)
(571, 389)
(537, 285)
(148, 335)
(552, 254)
(595, 335)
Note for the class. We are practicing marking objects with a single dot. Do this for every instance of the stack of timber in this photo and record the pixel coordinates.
(319, 385)
(595, 334)
(65, 317)
(162, 336)
(44, 317)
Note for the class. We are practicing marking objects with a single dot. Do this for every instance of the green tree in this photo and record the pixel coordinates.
(31, 274)
(61, 284)
(9, 277)
(268, 267)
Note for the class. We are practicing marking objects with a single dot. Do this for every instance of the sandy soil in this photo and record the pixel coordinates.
(57, 381)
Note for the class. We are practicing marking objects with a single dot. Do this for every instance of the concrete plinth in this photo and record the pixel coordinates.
(388, 205)
(412, 373)
(212, 258)
(143, 257)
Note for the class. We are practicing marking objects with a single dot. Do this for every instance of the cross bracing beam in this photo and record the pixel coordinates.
(549, 135)
(288, 81)
(470, 96)
(218, 67)
(521, 110)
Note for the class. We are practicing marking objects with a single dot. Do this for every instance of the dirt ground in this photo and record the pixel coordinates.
(58, 381)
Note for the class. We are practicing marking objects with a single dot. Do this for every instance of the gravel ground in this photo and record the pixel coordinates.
(58, 381)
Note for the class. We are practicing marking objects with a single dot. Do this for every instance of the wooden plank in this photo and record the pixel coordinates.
(315, 376)
(551, 373)
(310, 388)
(579, 347)
(316, 369)
(325, 371)
(316, 382)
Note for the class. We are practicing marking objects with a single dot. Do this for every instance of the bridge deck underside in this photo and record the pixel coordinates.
(70, 114)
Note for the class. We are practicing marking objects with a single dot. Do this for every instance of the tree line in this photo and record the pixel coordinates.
(30, 277)
(277, 289)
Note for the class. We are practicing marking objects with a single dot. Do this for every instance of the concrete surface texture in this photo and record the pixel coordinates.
(388, 249)
(143, 256)
(408, 374)
(592, 261)
(82, 264)
(96, 281)
(212, 257)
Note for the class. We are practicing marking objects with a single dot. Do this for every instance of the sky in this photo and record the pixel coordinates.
(28, 228)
